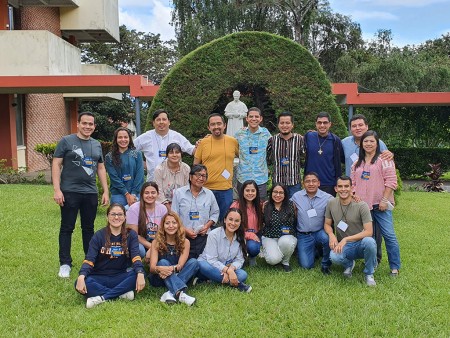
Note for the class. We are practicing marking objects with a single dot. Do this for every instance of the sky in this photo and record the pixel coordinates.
(411, 21)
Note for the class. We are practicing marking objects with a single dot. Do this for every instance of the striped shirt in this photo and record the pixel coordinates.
(285, 157)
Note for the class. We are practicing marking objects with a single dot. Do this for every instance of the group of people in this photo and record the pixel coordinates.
(184, 223)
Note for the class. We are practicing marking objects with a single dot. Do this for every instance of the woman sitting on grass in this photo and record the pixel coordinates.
(250, 205)
(169, 264)
(145, 216)
(278, 237)
(103, 275)
(223, 256)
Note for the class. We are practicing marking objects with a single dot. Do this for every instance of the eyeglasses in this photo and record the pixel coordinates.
(204, 176)
(278, 192)
(114, 215)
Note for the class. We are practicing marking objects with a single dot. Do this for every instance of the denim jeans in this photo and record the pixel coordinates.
(74, 202)
(208, 272)
(197, 245)
(110, 287)
(121, 199)
(224, 199)
(365, 248)
(386, 226)
(292, 189)
(306, 248)
(176, 281)
(278, 250)
(253, 248)
(142, 250)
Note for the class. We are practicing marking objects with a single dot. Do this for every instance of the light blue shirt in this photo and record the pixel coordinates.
(252, 155)
(350, 148)
(319, 202)
(219, 251)
(195, 212)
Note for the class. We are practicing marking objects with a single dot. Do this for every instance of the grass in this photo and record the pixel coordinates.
(35, 302)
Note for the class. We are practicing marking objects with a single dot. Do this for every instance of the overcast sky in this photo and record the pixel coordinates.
(411, 21)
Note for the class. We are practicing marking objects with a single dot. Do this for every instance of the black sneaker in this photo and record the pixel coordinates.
(286, 268)
(326, 270)
(244, 287)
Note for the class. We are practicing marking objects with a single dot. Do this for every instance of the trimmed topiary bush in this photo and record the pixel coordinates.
(271, 72)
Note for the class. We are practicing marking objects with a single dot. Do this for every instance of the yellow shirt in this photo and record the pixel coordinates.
(218, 156)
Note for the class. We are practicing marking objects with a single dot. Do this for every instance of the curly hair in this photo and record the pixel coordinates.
(123, 231)
(180, 237)
(115, 153)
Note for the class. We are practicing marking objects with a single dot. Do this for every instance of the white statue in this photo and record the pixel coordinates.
(235, 111)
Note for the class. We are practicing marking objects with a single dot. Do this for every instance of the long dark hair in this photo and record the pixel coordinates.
(143, 219)
(256, 204)
(240, 232)
(285, 209)
(115, 153)
(362, 152)
(123, 230)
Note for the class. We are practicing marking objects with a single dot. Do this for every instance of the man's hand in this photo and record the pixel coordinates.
(130, 199)
(58, 196)
(332, 241)
(105, 198)
(204, 230)
(338, 248)
(190, 233)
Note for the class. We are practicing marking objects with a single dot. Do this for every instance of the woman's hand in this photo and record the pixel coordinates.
(165, 271)
(382, 206)
(233, 277)
(140, 282)
(81, 285)
(254, 237)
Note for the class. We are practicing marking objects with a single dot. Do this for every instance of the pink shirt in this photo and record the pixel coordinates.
(370, 180)
(252, 226)
(154, 218)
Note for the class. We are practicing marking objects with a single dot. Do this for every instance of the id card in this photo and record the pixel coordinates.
(88, 161)
(285, 230)
(284, 161)
(126, 177)
(194, 216)
(152, 229)
(252, 150)
(365, 175)
(226, 174)
(354, 157)
(342, 226)
(162, 153)
(116, 251)
(312, 213)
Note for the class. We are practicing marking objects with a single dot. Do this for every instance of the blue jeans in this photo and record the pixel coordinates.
(208, 272)
(121, 199)
(110, 287)
(306, 248)
(292, 189)
(224, 199)
(176, 282)
(386, 226)
(365, 248)
(253, 248)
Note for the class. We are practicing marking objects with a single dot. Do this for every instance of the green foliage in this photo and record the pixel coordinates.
(47, 150)
(300, 303)
(398, 191)
(435, 175)
(9, 175)
(285, 77)
(413, 162)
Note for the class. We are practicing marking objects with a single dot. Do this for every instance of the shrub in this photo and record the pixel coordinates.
(47, 150)
(413, 162)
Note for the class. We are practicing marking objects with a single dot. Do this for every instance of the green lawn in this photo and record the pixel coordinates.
(35, 302)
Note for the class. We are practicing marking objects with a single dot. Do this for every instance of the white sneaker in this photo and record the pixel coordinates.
(349, 270)
(186, 299)
(370, 281)
(168, 298)
(64, 271)
(93, 301)
(127, 295)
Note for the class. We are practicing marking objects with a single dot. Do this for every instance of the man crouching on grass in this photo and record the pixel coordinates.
(353, 238)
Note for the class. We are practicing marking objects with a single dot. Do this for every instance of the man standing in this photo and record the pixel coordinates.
(217, 153)
(252, 152)
(324, 153)
(353, 239)
(311, 204)
(197, 208)
(284, 151)
(75, 189)
(153, 143)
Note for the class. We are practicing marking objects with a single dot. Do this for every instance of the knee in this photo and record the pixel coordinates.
(369, 244)
(193, 264)
(273, 259)
(241, 275)
(287, 243)
(163, 262)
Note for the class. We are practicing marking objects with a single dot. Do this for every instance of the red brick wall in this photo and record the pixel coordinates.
(41, 18)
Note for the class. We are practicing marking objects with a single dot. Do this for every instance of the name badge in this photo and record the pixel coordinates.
(162, 153)
(116, 251)
(284, 161)
(152, 229)
(342, 226)
(194, 215)
(365, 175)
(312, 213)
(88, 161)
(126, 177)
(252, 150)
(354, 157)
(285, 230)
(226, 174)
(251, 230)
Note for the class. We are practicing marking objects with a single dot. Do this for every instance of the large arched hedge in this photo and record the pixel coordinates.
(272, 72)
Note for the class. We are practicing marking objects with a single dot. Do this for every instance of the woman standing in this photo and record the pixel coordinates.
(278, 238)
(125, 168)
(171, 174)
(169, 264)
(250, 205)
(103, 275)
(223, 256)
(144, 217)
(374, 181)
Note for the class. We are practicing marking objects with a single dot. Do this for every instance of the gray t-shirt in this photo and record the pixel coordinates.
(80, 159)
(354, 214)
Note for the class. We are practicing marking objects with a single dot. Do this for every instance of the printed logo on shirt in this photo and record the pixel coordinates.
(115, 251)
(152, 229)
